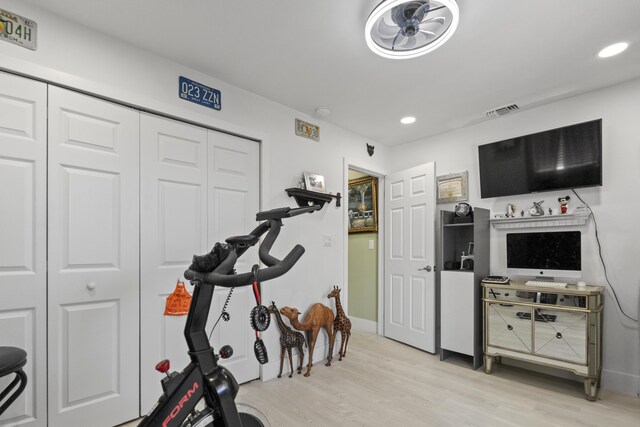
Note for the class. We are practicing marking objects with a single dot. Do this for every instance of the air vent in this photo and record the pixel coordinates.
(502, 111)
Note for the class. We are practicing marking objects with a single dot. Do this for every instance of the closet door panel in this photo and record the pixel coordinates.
(23, 152)
(173, 229)
(233, 199)
(93, 260)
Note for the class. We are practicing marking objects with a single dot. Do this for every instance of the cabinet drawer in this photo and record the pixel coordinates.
(530, 296)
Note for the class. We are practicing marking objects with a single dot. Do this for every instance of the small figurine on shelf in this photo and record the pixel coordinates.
(522, 213)
(564, 204)
(536, 209)
(511, 210)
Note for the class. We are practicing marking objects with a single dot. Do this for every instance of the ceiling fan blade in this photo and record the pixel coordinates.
(437, 20)
(411, 42)
(421, 11)
(393, 45)
(427, 33)
(386, 29)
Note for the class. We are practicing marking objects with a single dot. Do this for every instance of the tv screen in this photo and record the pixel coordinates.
(567, 157)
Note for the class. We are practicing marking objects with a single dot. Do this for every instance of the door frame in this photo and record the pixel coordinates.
(381, 175)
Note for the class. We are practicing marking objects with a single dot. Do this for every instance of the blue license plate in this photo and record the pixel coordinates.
(199, 93)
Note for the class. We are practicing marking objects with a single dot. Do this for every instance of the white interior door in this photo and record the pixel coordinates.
(93, 290)
(409, 289)
(173, 208)
(23, 186)
(233, 203)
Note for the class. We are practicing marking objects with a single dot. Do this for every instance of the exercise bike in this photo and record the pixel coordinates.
(203, 377)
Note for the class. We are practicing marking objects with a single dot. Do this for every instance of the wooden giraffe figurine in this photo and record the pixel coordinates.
(341, 323)
(288, 339)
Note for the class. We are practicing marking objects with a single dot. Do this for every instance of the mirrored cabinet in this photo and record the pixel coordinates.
(561, 328)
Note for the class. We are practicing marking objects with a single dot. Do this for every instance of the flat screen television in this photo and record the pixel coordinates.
(567, 157)
(549, 254)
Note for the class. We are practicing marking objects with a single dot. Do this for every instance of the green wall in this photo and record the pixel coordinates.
(363, 276)
(363, 271)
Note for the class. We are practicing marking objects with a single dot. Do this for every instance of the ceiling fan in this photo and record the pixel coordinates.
(410, 28)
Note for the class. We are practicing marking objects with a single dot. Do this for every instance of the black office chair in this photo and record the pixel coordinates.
(12, 360)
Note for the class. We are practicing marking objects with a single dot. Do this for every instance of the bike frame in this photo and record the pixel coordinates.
(203, 377)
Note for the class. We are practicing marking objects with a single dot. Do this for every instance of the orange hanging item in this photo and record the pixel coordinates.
(178, 302)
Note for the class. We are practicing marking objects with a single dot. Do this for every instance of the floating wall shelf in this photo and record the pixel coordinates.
(541, 221)
(307, 197)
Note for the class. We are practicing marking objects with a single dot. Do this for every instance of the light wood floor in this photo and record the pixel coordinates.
(384, 383)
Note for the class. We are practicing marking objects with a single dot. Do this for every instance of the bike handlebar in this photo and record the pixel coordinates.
(275, 267)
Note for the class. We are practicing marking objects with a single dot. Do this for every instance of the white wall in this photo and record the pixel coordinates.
(616, 204)
(74, 56)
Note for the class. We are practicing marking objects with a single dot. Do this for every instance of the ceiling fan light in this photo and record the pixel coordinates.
(387, 18)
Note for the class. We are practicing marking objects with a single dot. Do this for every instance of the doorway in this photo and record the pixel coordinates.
(362, 249)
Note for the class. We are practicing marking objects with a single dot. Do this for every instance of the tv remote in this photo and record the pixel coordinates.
(501, 280)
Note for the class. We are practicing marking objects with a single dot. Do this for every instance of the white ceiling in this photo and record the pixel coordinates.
(310, 53)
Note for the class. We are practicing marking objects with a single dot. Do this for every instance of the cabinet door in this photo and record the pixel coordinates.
(93, 234)
(174, 228)
(508, 328)
(23, 167)
(457, 311)
(562, 335)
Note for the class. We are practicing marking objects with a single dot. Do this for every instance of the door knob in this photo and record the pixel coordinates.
(427, 268)
(91, 286)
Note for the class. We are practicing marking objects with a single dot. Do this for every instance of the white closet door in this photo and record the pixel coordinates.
(93, 261)
(23, 168)
(234, 166)
(173, 228)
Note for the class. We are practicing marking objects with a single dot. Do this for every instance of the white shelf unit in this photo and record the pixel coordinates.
(541, 221)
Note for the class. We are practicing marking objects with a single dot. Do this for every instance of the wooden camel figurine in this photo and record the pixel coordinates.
(341, 323)
(288, 340)
(318, 316)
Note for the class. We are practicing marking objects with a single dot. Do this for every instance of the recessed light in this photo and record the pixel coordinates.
(613, 50)
(322, 111)
(407, 120)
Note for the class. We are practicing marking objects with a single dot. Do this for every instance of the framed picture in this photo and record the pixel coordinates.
(453, 187)
(363, 205)
(314, 182)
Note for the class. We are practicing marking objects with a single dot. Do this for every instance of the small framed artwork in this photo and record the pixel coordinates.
(363, 205)
(314, 182)
(453, 187)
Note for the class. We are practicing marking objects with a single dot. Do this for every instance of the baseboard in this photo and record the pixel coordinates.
(621, 382)
(363, 325)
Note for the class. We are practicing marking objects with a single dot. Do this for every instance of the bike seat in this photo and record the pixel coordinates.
(11, 360)
(248, 240)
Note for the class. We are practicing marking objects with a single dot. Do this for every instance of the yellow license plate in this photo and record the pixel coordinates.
(18, 30)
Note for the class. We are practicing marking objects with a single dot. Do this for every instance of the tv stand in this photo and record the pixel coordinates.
(562, 330)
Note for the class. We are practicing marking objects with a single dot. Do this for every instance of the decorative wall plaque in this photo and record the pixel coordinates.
(307, 130)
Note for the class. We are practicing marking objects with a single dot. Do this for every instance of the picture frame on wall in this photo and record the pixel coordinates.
(453, 188)
(363, 205)
(314, 182)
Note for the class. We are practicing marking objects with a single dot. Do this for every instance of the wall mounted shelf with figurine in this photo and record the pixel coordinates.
(307, 197)
(562, 220)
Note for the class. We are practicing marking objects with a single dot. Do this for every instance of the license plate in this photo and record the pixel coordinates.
(190, 90)
(18, 30)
